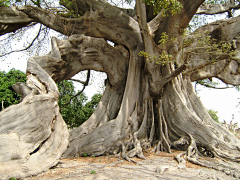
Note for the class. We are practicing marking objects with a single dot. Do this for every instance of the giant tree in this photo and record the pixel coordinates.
(149, 100)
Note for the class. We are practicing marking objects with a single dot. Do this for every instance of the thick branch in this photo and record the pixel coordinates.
(83, 6)
(79, 52)
(173, 25)
(12, 19)
(212, 86)
(104, 21)
(204, 63)
(173, 74)
(218, 8)
(142, 20)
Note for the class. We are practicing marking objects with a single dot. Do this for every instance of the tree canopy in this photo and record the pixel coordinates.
(213, 115)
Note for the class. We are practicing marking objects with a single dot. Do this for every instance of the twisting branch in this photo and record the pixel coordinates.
(26, 48)
(12, 19)
(84, 86)
(210, 86)
(218, 8)
(77, 80)
(171, 76)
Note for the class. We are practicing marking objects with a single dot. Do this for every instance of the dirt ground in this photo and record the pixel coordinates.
(161, 166)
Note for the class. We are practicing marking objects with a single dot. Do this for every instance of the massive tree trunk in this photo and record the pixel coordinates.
(145, 103)
(33, 133)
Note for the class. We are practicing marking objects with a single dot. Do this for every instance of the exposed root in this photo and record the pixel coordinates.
(191, 155)
(136, 151)
(229, 168)
(146, 144)
(161, 170)
(161, 125)
(181, 141)
(124, 155)
(181, 160)
(192, 149)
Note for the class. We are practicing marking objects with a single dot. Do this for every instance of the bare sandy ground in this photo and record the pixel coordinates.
(161, 166)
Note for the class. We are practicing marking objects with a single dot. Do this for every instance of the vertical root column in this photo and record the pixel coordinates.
(161, 129)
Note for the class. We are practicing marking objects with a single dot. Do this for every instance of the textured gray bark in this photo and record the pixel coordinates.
(33, 133)
(218, 8)
(145, 104)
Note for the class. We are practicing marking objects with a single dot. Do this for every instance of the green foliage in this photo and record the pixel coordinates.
(75, 113)
(25, 2)
(212, 44)
(208, 83)
(7, 95)
(216, 1)
(93, 172)
(66, 3)
(72, 113)
(69, 5)
(171, 6)
(164, 57)
(212, 49)
(90, 106)
(213, 114)
(5, 2)
(85, 154)
(13, 178)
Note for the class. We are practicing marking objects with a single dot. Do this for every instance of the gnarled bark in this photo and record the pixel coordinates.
(218, 8)
(33, 133)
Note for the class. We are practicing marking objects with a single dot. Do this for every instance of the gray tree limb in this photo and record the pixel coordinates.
(218, 8)
(205, 65)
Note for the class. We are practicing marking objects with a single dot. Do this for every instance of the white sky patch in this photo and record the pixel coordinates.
(225, 101)
(96, 83)
(14, 60)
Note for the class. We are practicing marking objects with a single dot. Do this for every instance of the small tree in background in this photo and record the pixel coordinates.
(7, 95)
(76, 110)
(71, 109)
(213, 115)
(90, 106)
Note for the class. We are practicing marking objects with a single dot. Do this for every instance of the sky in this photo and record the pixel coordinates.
(224, 101)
